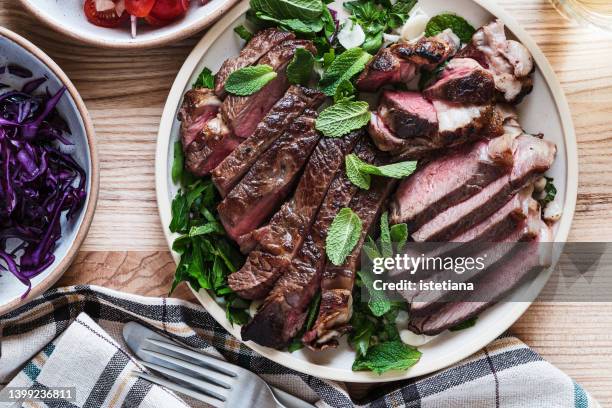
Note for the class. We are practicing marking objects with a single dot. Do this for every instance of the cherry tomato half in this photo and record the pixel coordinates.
(106, 18)
(139, 8)
(156, 22)
(168, 10)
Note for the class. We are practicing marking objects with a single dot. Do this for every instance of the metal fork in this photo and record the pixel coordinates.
(201, 376)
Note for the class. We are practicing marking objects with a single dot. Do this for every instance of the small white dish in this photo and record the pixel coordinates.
(544, 110)
(69, 18)
(15, 49)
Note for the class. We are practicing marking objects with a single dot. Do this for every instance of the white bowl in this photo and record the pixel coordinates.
(69, 19)
(544, 110)
(17, 50)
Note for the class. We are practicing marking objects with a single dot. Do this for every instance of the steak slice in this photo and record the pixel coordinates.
(286, 110)
(270, 179)
(198, 107)
(285, 233)
(337, 284)
(257, 47)
(532, 157)
(446, 181)
(460, 123)
(526, 261)
(408, 114)
(463, 80)
(211, 145)
(243, 113)
(509, 61)
(283, 313)
(402, 61)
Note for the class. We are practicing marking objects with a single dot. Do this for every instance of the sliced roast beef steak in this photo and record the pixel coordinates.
(267, 183)
(211, 145)
(401, 62)
(285, 233)
(337, 283)
(408, 114)
(257, 47)
(198, 107)
(446, 181)
(463, 80)
(527, 260)
(243, 113)
(532, 157)
(459, 123)
(509, 61)
(283, 113)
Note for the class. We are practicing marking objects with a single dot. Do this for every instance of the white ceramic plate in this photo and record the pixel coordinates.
(17, 50)
(544, 110)
(68, 17)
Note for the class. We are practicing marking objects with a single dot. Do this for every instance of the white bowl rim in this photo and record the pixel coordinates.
(173, 36)
(94, 176)
(284, 358)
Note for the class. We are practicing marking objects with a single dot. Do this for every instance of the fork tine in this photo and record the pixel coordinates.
(210, 375)
(215, 363)
(183, 390)
(206, 387)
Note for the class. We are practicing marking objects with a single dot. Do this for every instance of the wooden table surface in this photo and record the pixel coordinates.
(125, 92)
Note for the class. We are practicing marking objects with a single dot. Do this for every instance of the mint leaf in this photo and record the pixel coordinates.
(243, 33)
(353, 172)
(248, 80)
(459, 25)
(178, 163)
(205, 79)
(399, 13)
(464, 325)
(399, 235)
(363, 330)
(344, 66)
(208, 228)
(294, 24)
(343, 235)
(285, 9)
(300, 67)
(344, 92)
(343, 117)
(390, 355)
(550, 190)
(378, 303)
(386, 246)
(371, 249)
(180, 213)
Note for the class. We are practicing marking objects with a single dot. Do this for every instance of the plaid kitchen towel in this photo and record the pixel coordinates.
(505, 374)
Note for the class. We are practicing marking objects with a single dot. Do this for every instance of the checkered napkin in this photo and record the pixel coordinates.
(72, 336)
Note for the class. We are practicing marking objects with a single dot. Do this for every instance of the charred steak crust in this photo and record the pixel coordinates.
(284, 310)
(243, 113)
(463, 80)
(198, 107)
(211, 145)
(270, 179)
(286, 110)
(258, 46)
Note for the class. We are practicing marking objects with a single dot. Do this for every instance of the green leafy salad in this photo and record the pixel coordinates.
(208, 256)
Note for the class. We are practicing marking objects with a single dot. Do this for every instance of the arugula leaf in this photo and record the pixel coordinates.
(458, 24)
(399, 235)
(465, 325)
(208, 228)
(248, 80)
(180, 213)
(344, 92)
(243, 33)
(343, 235)
(399, 13)
(311, 317)
(287, 9)
(550, 190)
(205, 79)
(342, 118)
(344, 66)
(178, 163)
(390, 355)
(299, 69)
(363, 330)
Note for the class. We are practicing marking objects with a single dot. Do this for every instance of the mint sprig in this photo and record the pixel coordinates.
(359, 172)
(343, 235)
(390, 355)
(299, 69)
(343, 67)
(248, 80)
(459, 25)
(205, 79)
(342, 118)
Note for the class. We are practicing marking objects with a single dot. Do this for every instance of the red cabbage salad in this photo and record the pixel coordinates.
(39, 181)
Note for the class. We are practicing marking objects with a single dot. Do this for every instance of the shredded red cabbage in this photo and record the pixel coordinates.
(38, 183)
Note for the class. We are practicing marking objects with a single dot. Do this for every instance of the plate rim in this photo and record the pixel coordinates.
(284, 358)
(178, 35)
(94, 175)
